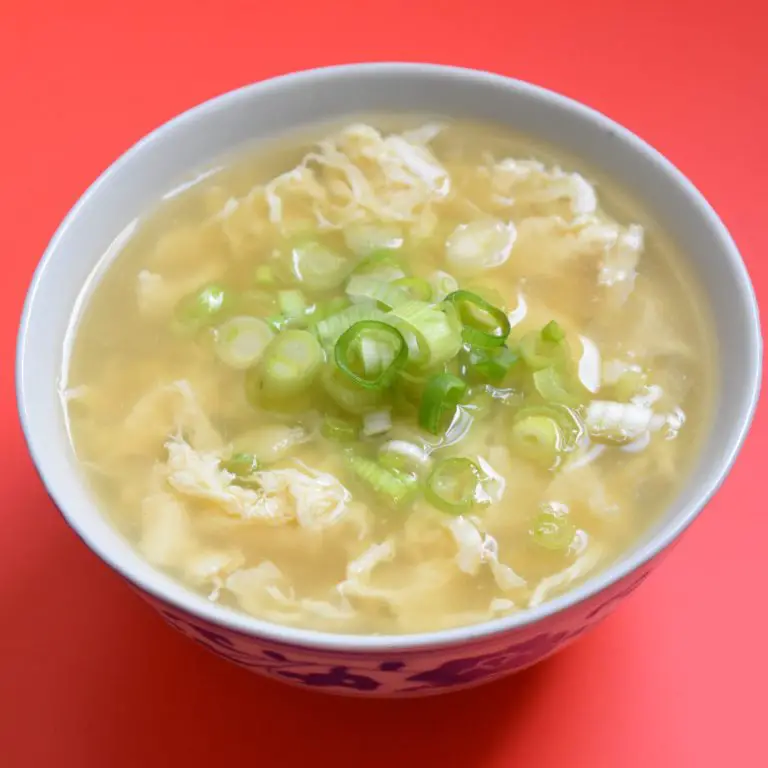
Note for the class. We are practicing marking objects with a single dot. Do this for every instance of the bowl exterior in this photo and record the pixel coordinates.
(420, 671)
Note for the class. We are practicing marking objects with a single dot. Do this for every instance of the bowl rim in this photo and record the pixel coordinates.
(241, 623)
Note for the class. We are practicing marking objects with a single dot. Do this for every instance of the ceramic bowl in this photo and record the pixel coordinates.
(378, 665)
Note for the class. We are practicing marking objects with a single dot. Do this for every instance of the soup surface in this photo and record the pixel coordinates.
(389, 381)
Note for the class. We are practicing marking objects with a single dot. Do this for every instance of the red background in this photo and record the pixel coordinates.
(89, 676)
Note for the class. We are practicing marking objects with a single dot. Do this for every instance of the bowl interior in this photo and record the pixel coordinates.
(109, 210)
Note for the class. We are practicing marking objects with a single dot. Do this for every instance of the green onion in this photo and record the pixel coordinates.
(433, 333)
(318, 268)
(552, 331)
(455, 486)
(371, 353)
(550, 384)
(490, 364)
(417, 287)
(290, 363)
(264, 275)
(571, 426)
(349, 396)
(552, 530)
(241, 464)
(377, 422)
(385, 294)
(442, 284)
(441, 395)
(331, 328)
(543, 432)
(241, 341)
(538, 438)
(338, 430)
(541, 349)
(282, 322)
(382, 264)
(278, 323)
(484, 324)
(209, 305)
(292, 303)
(325, 309)
(395, 486)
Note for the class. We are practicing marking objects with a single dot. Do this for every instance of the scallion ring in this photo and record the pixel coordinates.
(417, 287)
(454, 486)
(483, 324)
(290, 363)
(442, 393)
(371, 353)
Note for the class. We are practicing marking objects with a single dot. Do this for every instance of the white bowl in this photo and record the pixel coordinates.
(379, 665)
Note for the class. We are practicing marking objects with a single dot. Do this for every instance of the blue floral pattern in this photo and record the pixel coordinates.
(412, 672)
(472, 669)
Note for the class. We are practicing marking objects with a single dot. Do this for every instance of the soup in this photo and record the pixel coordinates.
(390, 381)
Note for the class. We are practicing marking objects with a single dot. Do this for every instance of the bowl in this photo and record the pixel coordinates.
(408, 665)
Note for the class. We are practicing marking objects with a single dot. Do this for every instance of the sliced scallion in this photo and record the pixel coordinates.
(542, 433)
(347, 395)
(371, 353)
(325, 309)
(393, 485)
(381, 264)
(241, 341)
(552, 530)
(442, 395)
(538, 438)
(211, 304)
(455, 486)
(330, 329)
(241, 464)
(554, 387)
(483, 324)
(433, 333)
(290, 363)
(367, 288)
(542, 349)
(553, 332)
(567, 419)
(292, 303)
(490, 364)
(417, 288)
(377, 422)
(442, 284)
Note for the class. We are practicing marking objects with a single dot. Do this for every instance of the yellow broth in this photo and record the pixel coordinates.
(155, 413)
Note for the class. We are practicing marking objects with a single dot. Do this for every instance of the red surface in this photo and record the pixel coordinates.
(89, 676)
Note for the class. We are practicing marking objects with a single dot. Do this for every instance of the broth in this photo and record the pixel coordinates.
(452, 473)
